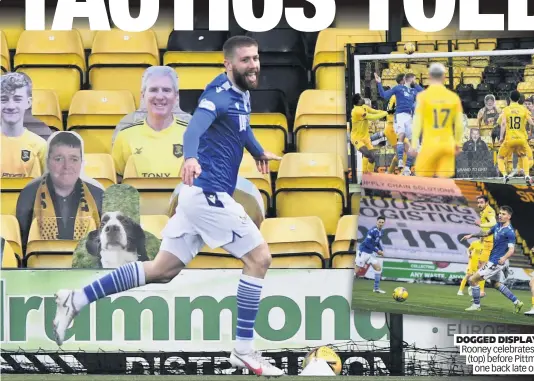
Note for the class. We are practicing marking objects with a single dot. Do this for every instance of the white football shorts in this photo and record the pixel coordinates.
(366, 258)
(214, 219)
(403, 124)
(492, 271)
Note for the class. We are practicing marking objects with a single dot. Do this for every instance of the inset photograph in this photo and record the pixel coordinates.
(445, 248)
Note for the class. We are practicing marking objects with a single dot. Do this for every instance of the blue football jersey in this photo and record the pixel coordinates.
(372, 242)
(503, 239)
(220, 149)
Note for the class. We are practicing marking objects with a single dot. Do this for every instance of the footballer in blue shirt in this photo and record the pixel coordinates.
(496, 269)
(405, 96)
(369, 250)
(206, 213)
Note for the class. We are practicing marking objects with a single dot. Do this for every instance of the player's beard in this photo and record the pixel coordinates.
(242, 82)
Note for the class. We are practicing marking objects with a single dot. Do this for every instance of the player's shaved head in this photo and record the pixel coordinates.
(236, 42)
(436, 71)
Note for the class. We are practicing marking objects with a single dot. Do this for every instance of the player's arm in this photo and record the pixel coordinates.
(252, 145)
(417, 125)
(373, 114)
(386, 94)
(492, 220)
(203, 117)
(480, 234)
(503, 127)
(459, 124)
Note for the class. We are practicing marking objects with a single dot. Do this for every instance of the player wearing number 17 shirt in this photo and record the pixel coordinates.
(513, 123)
(439, 119)
(206, 214)
(497, 266)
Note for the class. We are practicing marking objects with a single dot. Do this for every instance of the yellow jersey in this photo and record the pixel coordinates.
(361, 115)
(488, 219)
(516, 117)
(155, 153)
(23, 156)
(438, 116)
(475, 253)
(391, 105)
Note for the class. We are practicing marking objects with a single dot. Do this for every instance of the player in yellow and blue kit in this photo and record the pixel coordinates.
(497, 266)
(206, 214)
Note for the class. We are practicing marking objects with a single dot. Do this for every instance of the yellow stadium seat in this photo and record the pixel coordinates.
(475, 81)
(355, 203)
(87, 35)
(472, 123)
(321, 125)
(311, 184)
(466, 45)
(526, 88)
(154, 224)
(45, 107)
(8, 201)
(12, 24)
(162, 29)
(487, 44)
(100, 166)
(345, 243)
(94, 115)
(10, 230)
(443, 45)
(41, 253)
(426, 46)
(296, 242)
(119, 59)
(5, 64)
(9, 259)
(529, 73)
(155, 193)
(195, 69)
(271, 130)
(54, 60)
(329, 57)
(249, 171)
(208, 258)
(10, 189)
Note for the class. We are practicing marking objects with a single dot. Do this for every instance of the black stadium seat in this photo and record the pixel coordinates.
(365, 49)
(507, 44)
(465, 91)
(386, 47)
(526, 43)
(268, 101)
(189, 100)
(292, 80)
(196, 41)
(281, 47)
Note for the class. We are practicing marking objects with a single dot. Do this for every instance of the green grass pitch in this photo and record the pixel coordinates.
(440, 301)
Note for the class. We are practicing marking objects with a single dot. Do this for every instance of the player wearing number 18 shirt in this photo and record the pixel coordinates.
(439, 119)
(513, 123)
(497, 266)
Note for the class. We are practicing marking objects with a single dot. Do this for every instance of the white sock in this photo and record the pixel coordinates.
(79, 299)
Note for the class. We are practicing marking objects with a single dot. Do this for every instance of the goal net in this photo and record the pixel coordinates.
(475, 71)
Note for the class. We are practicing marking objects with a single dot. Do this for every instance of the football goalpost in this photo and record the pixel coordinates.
(473, 75)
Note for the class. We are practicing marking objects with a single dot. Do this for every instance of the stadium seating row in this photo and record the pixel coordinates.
(307, 184)
(319, 126)
(295, 242)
